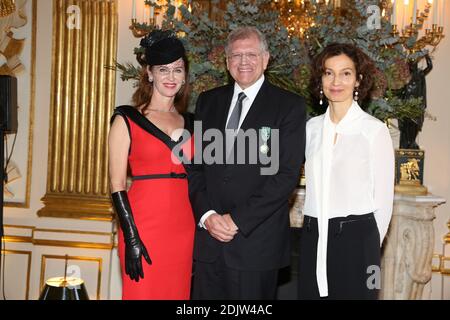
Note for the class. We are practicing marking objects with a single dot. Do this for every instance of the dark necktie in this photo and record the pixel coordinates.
(233, 122)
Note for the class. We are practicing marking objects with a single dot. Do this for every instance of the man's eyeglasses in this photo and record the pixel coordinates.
(251, 56)
(164, 71)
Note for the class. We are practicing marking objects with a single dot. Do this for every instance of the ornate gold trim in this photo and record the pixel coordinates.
(33, 229)
(442, 258)
(445, 271)
(18, 226)
(26, 204)
(414, 190)
(73, 207)
(82, 99)
(29, 253)
(99, 260)
(18, 239)
(437, 268)
(94, 233)
(61, 243)
(447, 236)
(73, 244)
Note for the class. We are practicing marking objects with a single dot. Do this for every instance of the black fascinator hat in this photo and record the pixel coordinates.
(161, 47)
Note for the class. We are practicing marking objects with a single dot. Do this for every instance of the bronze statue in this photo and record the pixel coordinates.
(415, 88)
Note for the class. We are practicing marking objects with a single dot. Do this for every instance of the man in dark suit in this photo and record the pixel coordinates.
(242, 212)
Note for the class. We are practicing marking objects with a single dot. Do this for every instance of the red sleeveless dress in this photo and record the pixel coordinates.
(161, 210)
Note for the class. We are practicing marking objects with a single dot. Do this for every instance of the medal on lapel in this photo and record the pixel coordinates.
(265, 135)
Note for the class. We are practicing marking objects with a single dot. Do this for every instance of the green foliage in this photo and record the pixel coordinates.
(205, 40)
(127, 72)
(393, 107)
(289, 66)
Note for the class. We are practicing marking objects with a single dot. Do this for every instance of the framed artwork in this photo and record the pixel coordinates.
(17, 58)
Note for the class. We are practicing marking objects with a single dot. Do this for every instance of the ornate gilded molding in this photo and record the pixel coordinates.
(444, 270)
(11, 49)
(83, 96)
(29, 258)
(441, 259)
(447, 236)
(45, 237)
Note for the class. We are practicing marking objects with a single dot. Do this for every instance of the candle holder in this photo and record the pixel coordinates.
(140, 30)
(150, 18)
(431, 37)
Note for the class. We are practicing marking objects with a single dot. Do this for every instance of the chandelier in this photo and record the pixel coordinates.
(298, 15)
(7, 7)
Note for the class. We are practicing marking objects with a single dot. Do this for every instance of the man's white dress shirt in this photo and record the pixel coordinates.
(251, 93)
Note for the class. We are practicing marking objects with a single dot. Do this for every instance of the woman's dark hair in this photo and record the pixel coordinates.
(144, 92)
(365, 68)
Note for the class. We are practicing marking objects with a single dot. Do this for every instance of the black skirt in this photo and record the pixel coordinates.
(353, 258)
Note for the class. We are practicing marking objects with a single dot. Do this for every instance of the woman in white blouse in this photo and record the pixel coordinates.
(349, 183)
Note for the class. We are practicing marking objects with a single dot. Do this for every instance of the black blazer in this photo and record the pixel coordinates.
(257, 203)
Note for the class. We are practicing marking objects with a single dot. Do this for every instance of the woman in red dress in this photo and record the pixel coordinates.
(155, 215)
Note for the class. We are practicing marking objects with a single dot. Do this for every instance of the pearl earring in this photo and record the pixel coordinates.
(356, 97)
(321, 97)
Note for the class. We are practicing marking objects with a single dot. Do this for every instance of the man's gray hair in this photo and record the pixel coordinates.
(246, 32)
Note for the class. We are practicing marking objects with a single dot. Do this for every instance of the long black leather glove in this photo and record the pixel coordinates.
(134, 248)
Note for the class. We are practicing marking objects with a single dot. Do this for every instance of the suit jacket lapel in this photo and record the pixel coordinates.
(256, 108)
(224, 106)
